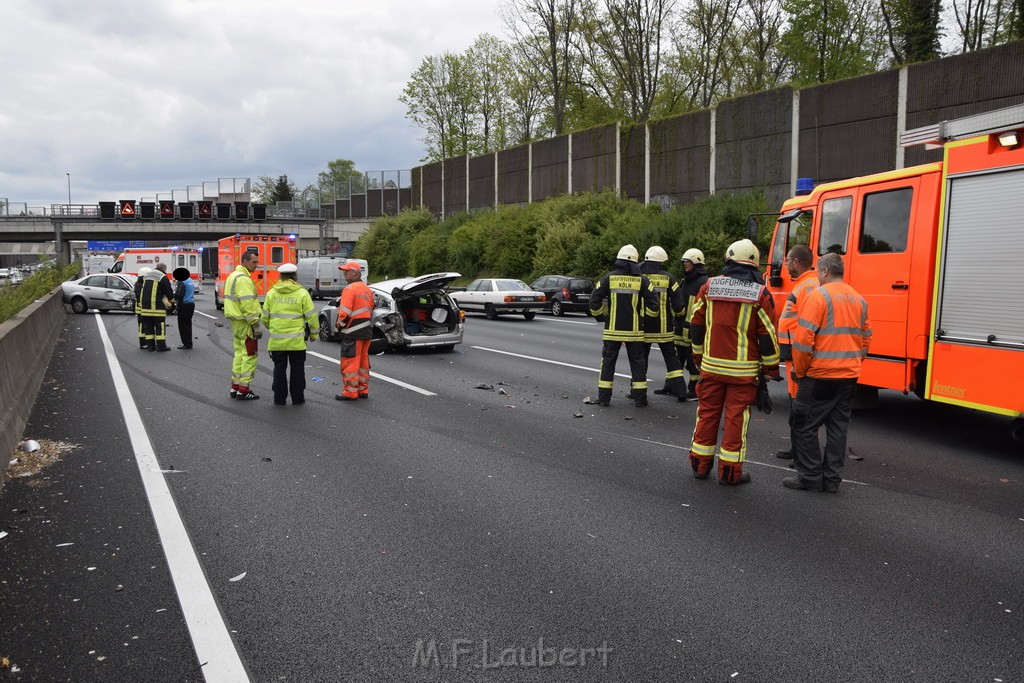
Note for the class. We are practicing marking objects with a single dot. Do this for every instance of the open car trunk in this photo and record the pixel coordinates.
(427, 314)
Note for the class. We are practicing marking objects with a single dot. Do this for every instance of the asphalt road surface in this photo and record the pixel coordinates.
(440, 531)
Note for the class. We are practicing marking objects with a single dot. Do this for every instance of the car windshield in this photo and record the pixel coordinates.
(512, 286)
(581, 285)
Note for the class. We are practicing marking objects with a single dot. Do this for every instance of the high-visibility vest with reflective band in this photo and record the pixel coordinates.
(671, 302)
(625, 300)
(150, 304)
(733, 335)
(288, 316)
(241, 304)
(832, 334)
(355, 309)
(791, 310)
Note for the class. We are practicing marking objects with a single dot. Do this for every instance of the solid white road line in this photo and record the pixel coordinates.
(568, 322)
(218, 656)
(545, 360)
(379, 376)
(211, 317)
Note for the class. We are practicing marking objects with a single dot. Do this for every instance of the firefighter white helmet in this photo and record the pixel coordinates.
(743, 251)
(144, 271)
(628, 253)
(656, 254)
(694, 256)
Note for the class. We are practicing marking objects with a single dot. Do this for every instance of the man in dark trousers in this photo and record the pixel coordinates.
(694, 277)
(155, 299)
(659, 330)
(622, 300)
(830, 340)
(185, 303)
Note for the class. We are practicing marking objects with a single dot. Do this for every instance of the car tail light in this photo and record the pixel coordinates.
(509, 299)
(462, 316)
(566, 293)
(542, 298)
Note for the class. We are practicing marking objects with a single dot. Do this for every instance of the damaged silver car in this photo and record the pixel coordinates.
(411, 312)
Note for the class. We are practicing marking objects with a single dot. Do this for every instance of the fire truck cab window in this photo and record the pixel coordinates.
(277, 255)
(835, 225)
(886, 221)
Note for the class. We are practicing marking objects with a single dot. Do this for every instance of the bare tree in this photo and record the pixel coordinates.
(706, 48)
(759, 64)
(525, 101)
(628, 38)
(489, 59)
(543, 33)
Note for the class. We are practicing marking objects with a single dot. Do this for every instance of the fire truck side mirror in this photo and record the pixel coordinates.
(752, 228)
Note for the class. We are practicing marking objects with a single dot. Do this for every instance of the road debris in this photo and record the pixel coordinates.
(235, 579)
(589, 401)
(38, 455)
(486, 387)
(577, 414)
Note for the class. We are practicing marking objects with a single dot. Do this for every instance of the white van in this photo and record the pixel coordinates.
(96, 264)
(320, 275)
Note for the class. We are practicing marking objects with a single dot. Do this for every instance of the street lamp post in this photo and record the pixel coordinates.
(68, 174)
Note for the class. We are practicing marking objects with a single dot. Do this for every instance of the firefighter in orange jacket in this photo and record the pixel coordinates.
(829, 343)
(355, 310)
(798, 263)
(734, 343)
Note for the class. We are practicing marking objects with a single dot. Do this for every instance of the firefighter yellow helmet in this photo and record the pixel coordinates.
(628, 253)
(743, 251)
(694, 256)
(656, 254)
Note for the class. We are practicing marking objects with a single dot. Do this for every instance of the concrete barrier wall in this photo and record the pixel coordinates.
(26, 343)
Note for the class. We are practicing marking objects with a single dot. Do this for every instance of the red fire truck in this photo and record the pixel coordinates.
(937, 251)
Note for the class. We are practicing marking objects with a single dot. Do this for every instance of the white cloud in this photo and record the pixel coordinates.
(136, 97)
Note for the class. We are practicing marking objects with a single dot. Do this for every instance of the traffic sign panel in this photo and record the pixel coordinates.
(166, 209)
(127, 208)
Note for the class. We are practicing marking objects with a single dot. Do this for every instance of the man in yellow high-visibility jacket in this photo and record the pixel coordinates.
(242, 308)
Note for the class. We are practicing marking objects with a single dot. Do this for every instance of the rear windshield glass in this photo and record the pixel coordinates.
(512, 286)
(581, 285)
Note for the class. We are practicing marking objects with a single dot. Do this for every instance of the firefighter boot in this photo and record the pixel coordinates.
(701, 466)
(664, 391)
(639, 397)
(604, 397)
(731, 474)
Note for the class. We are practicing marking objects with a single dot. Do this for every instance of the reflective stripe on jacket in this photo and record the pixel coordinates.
(791, 310)
(624, 300)
(671, 303)
(355, 310)
(833, 333)
(155, 288)
(241, 304)
(733, 339)
(289, 317)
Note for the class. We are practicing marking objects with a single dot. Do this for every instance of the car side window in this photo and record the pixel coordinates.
(116, 283)
(96, 281)
(473, 286)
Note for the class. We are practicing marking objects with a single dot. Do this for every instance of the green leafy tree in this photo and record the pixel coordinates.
(442, 98)
(828, 40)
(912, 29)
(267, 190)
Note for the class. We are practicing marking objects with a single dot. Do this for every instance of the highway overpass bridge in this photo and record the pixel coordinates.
(313, 232)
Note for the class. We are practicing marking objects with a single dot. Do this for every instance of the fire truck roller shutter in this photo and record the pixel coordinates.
(982, 279)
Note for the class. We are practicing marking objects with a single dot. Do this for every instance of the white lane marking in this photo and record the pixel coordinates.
(379, 376)
(211, 317)
(752, 462)
(545, 360)
(568, 322)
(215, 650)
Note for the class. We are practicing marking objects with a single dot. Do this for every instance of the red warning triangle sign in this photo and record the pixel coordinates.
(166, 209)
(204, 209)
(127, 209)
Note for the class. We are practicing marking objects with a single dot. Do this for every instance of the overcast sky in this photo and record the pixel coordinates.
(139, 97)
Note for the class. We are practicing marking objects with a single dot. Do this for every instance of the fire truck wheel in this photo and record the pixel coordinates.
(1017, 430)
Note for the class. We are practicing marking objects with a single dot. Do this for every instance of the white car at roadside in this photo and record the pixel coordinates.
(495, 296)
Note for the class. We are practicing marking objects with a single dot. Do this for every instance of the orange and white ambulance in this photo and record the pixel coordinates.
(132, 259)
(937, 251)
(272, 251)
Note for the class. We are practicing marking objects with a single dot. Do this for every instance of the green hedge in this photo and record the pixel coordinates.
(572, 234)
(40, 283)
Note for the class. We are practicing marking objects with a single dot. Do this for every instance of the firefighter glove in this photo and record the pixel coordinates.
(764, 399)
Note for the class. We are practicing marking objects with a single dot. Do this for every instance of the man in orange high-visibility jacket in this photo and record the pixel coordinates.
(355, 310)
(733, 343)
(829, 343)
(798, 263)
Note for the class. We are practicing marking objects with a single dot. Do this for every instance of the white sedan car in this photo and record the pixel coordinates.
(101, 292)
(494, 296)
